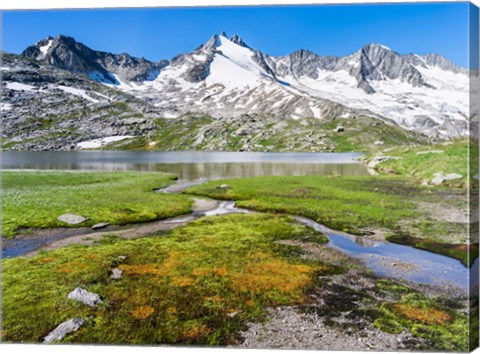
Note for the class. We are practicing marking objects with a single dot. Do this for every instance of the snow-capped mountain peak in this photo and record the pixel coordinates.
(226, 77)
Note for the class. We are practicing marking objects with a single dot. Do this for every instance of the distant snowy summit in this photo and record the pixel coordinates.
(226, 77)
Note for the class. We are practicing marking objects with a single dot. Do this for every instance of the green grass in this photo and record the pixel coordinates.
(35, 199)
(422, 167)
(343, 203)
(352, 204)
(438, 324)
(198, 284)
(361, 133)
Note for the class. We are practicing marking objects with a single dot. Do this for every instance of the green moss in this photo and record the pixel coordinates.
(389, 286)
(34, 199)
(441, 327)
(200, 285)
(388, 325)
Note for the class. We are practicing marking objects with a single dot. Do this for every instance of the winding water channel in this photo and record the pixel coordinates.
(383, 258)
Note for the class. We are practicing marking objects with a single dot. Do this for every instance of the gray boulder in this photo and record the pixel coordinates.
(440, 178)
(86, 297)
(63, 329)
(116, 273)
(100, 225)
(72, 219)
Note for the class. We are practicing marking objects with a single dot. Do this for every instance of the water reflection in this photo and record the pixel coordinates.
(393, 260)
(192, 165)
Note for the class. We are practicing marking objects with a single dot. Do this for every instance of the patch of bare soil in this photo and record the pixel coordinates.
(290, 328)
(444, 212)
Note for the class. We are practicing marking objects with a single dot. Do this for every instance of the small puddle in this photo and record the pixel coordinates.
(397, 261)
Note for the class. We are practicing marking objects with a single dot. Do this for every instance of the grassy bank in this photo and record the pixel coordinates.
(420, 163)
(35, 199)
(359, 205)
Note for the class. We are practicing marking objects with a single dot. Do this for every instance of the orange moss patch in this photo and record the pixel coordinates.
(214, 299)
(202, 271)
(45, 260)
(183, 281)
(71, 267)
(172, 311)
(272, 274)
(195, 332)
(172, 262)
(141, 269)
(220, 271)
(425, 315)
(143, 312)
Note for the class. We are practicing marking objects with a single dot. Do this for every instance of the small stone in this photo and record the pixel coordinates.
(122, 258)
(440, 178)
(233, 314)
(430, 152)
(116, 273)
(86, 297)
(224, 186)
(72, 219)
(100, 225)
(339, 129)
(378, 143)
(63, 329)
(393, 264)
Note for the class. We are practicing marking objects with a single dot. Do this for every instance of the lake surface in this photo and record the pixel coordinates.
(190, 165)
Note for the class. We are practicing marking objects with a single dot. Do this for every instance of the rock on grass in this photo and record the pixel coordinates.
(100, 225)
(440, 178)
(116, 273)
(86, 297)
(63, 329)
(72, 219)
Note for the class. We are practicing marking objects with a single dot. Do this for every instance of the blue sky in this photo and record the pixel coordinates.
(325, 29)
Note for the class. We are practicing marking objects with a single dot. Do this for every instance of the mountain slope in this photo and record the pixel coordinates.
(66, 53)
(225, 77)
(63, 91)
(46, 108)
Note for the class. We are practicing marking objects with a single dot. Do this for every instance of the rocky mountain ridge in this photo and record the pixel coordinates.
(46, 108)
(66, 53)
(59, 92)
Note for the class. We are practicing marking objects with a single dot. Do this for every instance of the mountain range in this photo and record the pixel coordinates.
(225, 78)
